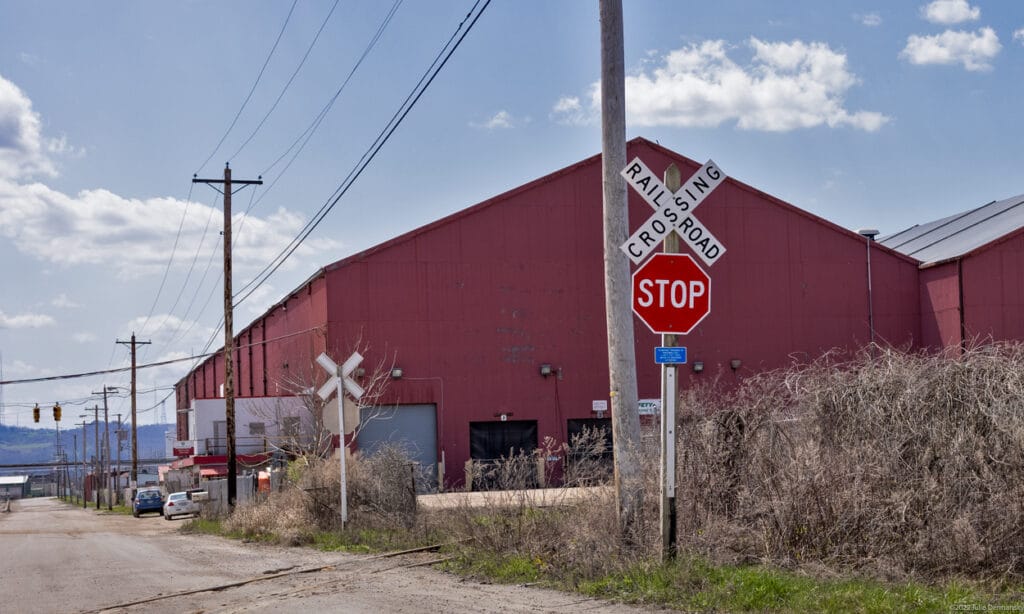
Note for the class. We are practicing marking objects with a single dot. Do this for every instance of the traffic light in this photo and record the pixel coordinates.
(56, 412)
(35, 413)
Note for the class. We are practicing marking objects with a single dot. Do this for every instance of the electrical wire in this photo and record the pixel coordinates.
(162, 363)
(288, 84)
(308, 132)
(407, 105)
(252, 90)
(170, 259)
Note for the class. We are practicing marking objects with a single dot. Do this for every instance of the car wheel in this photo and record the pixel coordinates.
(167, 516)
(136, 514)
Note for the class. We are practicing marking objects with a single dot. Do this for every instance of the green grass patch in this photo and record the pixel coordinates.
(696, 584)
(507, 569)
(363, 541)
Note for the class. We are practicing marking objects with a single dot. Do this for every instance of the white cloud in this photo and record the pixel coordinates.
(21, 146)
(569, 111)
(785, 86)
(83, 337)
(25, 320)
(62, 301)
(871, 20)
(20, 369)
(1018, 35)
(974, 50)
(164, 330)
(947, 12)
(501, 119)
(134, 237)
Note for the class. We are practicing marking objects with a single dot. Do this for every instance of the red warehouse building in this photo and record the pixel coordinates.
(495, 318)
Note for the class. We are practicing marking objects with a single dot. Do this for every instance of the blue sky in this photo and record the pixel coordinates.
(880, 114)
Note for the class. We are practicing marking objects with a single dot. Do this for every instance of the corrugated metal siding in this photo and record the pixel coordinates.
(940, 306)
(478, 301)
(994, 292)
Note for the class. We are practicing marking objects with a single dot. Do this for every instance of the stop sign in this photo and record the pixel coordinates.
(671, 294)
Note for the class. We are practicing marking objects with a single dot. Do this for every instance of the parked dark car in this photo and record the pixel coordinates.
(147, 501)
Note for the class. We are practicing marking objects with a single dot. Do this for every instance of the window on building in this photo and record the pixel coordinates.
(257, 429)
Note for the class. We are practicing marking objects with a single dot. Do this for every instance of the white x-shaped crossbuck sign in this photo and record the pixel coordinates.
(346, 370)
(673, 211)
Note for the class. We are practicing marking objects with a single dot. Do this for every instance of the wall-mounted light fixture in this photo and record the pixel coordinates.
(359, 372)
(545, 370)
(396, 373)
(735, 363)
(698, 366)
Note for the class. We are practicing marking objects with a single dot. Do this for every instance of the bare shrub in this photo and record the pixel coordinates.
(382, 487)
(900, 463)
(380, 494)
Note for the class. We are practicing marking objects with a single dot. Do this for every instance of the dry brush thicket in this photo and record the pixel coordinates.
(380, 494)
(891, 463)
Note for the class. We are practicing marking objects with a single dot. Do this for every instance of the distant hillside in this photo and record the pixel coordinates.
(24, 445)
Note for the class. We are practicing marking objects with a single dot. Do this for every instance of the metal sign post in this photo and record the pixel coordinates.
(673, 295)
(338, 382)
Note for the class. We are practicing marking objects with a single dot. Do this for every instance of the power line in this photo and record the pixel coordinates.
(170, 259)
(162, 363)
(407, 105)
(253, 89)
(288, 84)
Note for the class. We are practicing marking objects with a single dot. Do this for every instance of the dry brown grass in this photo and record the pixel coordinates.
(380, 495)
(898, 464)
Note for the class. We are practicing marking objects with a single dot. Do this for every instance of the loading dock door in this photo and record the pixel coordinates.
(411, 426)
(489, 441)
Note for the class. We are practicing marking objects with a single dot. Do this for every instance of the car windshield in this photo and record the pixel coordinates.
(148, 496)
(176, 496)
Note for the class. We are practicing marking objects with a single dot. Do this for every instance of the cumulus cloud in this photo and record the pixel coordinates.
(1018, 35)
(133, 236)
(948, 12)
(785, 86)
(974, 50)
(22, 151)
(25, 320)
(872, 20)
(62, 301)
(164, 329)
(568, 110)
(501, 119)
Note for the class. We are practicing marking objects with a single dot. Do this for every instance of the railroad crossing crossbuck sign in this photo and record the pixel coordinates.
(671, 294)
(673, 211)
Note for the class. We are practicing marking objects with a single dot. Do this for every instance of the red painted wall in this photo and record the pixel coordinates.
(940, 306)
(471, 305)
(994, 291)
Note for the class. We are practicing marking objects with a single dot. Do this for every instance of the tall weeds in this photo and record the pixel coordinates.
(894, 462)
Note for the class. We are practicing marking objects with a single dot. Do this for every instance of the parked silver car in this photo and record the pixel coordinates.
(179, 504)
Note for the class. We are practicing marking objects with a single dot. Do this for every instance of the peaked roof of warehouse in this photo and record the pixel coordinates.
(957, 235)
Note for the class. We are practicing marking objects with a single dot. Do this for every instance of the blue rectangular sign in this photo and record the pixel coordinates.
(670, 355)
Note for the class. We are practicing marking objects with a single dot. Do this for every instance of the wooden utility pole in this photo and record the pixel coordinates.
(106, 439)
(96, 451)
(618, 286)
(85, 503)
(669, 394)
(135, 444)
(117, 438)
(229, 335)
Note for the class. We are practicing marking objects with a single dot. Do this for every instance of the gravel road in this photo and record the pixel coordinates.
(58, 558)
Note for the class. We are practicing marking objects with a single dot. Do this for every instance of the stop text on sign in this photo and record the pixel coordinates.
(671, 294)
(676, 293)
